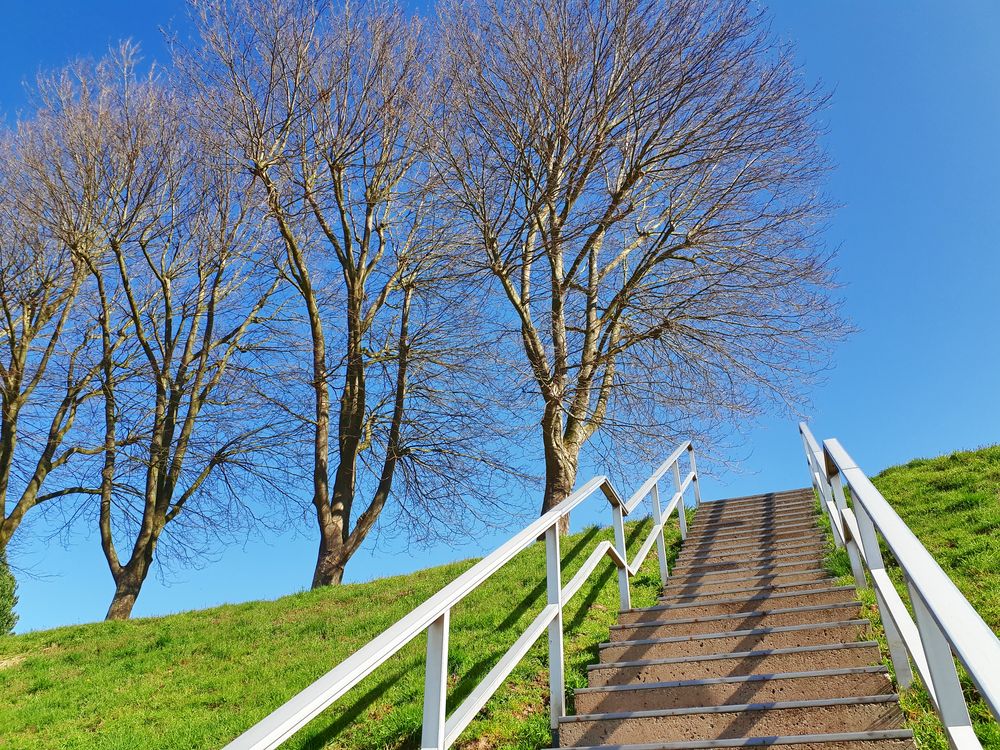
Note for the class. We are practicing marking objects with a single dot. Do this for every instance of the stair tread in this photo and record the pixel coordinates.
(735, 600)
(741, 589)
(870, 736)
(739, 615)
(740, 567)
(878, 669)
(736, 654)
(738, 633)
(737, 708)
(791, 542)
(803, 550)
(762, 518)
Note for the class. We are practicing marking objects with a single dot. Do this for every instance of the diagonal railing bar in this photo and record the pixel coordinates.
(439, 730)
(944, 624)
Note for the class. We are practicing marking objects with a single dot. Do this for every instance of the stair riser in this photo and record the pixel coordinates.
(762, 495)
(751, 589)
(758, 501)
(855, 745)
(751, 547)
(779, 563)
(751, 605)
(738, 623)
(757, 691)
(715, 516)
(801, 661)
(677, 589)
(748, 571)
(795, 515)
(797, 525)
(777, 554)
(765, 723)
(759, 536)
(783, 639)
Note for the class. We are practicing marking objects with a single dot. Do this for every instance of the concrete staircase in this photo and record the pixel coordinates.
(752, 644)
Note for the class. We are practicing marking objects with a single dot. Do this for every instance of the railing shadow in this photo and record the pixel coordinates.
(356, 710)
(539, 588)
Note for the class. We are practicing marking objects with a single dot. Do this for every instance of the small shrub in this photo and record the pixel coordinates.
(8, 597)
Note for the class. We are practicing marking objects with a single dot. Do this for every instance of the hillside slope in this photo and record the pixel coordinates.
(952, 503)
(197, 679)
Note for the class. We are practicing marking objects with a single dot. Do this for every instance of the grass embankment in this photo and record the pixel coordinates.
(952, 504)
(197, 679)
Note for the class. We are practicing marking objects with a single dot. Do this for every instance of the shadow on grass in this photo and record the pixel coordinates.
(539, 588)
(354, 711)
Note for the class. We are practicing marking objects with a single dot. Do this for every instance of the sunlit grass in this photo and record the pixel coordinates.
(952, 504)
(197, 679)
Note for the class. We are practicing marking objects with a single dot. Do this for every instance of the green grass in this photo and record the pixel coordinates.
(952, 504)
(197, 679)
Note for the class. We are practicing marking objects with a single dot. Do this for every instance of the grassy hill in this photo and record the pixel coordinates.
(197, 679)
(952, 503)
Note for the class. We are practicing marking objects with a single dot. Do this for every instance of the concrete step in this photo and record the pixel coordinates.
(684, 587)
(692, 548)
(719, 691)
(750, 589)
(886, 739)
(751, 639)
(733, 721)
(762, 538)
(737, 621)
(775, 530)
(750, 552)
(759, 495)
(750, 520)
(771, 561)
(731, 664)
(750, 570)
(758, 501)
(711, 515)
(734, 604)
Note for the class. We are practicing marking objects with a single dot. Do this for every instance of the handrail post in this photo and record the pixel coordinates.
(661, 547)
(436, 683)
(697, 483)
(941, 665)
(813, 474)
(873, 555)
(553, 587)
(817, 476)
(853, 552)
(624, 595)
(681, 518)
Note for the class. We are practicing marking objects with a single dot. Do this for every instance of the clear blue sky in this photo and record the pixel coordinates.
(914, 132)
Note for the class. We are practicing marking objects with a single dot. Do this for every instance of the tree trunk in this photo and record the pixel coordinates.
(127, 586)
(329, 563)
(335, 520)
(561, 461)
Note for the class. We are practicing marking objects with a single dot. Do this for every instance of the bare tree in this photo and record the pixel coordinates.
(642, 177)
(172, 248)
(46, 372)
(324, 107)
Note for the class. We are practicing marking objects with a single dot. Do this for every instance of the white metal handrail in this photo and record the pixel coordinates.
(439, 730)
(945, 624)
